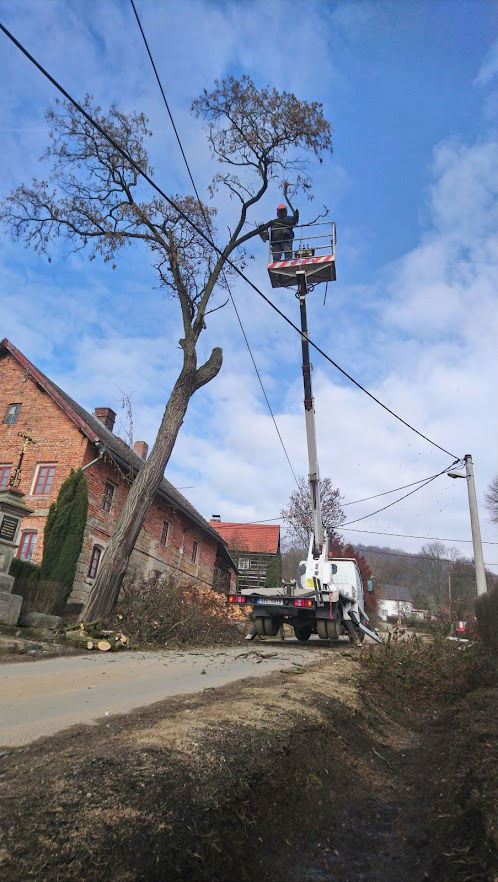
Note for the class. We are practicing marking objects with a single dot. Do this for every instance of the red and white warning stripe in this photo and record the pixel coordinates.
(301, 262)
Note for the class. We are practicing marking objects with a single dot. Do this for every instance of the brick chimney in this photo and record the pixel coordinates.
(215, 518)
(106, 415)
(142, 448)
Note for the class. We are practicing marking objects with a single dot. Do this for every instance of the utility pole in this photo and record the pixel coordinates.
(449, 602)
(474, 523)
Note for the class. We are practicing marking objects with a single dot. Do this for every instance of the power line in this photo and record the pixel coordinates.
(211, 237)
(366, 550)
(382, 533)
(386, 492)
(410, 536)
(203, 235)
(390, 504)
(365, 499)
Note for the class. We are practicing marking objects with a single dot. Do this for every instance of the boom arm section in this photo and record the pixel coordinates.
(309, 412)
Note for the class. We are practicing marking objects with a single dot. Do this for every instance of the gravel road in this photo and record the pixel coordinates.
(49, 695)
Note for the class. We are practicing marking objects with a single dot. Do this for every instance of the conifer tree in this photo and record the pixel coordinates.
(64, 530)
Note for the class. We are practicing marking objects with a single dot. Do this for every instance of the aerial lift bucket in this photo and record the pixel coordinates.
(312, 251)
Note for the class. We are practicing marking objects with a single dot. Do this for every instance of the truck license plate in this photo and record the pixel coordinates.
(268, 601)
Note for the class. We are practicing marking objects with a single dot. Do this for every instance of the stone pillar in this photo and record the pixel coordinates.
(12, 511)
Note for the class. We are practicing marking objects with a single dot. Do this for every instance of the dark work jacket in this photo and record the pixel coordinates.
(281, 228)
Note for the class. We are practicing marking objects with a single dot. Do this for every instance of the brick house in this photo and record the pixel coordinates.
(256, 551)
(175, 538)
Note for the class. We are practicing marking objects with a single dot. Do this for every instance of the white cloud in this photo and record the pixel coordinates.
(420, 336)
(489, 68)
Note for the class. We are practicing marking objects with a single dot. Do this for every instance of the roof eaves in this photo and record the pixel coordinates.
(47, 387)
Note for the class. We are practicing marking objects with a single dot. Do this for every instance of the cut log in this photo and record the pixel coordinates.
(89, 644)
(104, 645)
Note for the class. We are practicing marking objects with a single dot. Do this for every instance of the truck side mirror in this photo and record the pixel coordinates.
(369, 584)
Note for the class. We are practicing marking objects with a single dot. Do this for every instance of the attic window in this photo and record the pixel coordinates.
(244, 563)
(195, 551)
(164, 533)
(12, 414)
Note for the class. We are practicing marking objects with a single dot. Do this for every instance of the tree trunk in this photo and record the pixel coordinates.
(105, 590)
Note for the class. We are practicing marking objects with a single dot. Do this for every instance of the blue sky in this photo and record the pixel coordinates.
(411, 92)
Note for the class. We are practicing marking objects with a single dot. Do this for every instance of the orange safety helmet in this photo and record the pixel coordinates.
(281, 208)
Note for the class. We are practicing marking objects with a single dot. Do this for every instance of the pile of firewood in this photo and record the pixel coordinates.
(90, 635)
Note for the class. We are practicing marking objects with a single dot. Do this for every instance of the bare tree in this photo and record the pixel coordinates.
(433, 567)
(298, 516)
(491, 499)
(93, 198)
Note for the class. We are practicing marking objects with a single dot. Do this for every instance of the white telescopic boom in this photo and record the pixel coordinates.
(309, 412)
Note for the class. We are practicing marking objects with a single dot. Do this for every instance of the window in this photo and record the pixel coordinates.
(164, 533)
(12, 414)
(43, 480)
(4, 476)
(108, 496)
(244, 563)
(94, 561)
(27, 544)
(195, 551)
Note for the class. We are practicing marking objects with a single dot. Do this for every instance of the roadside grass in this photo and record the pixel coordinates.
(448, 693)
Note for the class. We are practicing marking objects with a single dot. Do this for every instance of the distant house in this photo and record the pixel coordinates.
(255, 549)
(394, 600)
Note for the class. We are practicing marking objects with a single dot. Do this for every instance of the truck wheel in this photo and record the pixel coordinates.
(334, 626)
(303, 633)
(321, 627)
(266, 626)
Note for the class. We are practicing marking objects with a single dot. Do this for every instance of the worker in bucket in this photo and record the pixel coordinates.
(281, 233)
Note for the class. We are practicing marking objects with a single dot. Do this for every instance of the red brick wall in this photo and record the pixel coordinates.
(58, 441)
(149, 555)
(61, 443)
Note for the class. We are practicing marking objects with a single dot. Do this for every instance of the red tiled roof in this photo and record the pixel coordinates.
(264, 538)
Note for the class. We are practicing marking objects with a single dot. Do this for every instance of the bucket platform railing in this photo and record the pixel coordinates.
(312, 249)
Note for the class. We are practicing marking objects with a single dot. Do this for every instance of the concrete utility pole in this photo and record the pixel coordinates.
(474, 523)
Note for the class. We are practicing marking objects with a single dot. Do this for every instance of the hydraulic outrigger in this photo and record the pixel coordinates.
(327, 599)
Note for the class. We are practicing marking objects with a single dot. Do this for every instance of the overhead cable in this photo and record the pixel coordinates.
(203, 235)
(400, 499)
(180, 145)
(366, 550)
(410, 536)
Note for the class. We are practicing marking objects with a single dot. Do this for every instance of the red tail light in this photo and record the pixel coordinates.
(306, 603)
(237, 598)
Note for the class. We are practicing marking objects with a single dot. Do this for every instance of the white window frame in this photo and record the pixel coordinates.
(42, 465)
(244, 563)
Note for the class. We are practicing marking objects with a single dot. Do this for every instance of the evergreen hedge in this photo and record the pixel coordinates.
(64, 531)
(23, 571)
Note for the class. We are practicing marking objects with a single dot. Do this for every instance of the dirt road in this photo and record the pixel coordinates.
(47, 696)
(300, 776)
